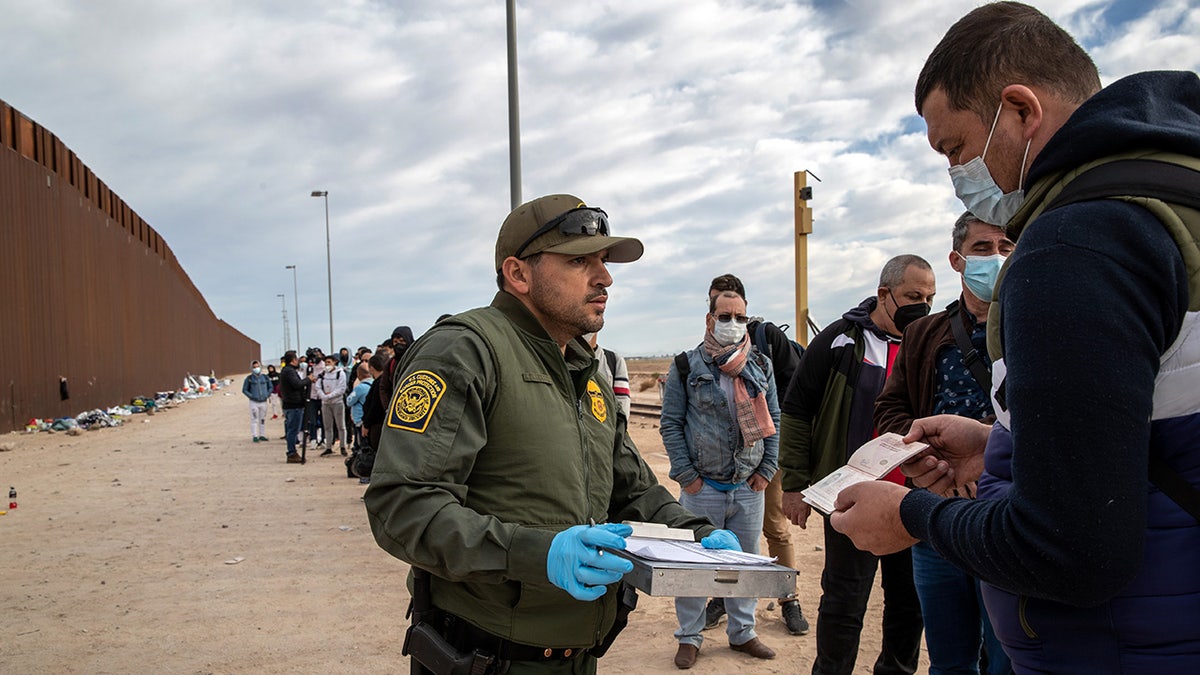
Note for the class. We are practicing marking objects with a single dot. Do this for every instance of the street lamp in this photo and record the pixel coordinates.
(328, 267)
(296, 305)
(283, 305)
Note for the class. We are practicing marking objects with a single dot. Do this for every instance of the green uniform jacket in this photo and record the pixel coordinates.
(494, 443)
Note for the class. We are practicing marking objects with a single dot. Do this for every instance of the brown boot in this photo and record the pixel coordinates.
(754, 648)
(686, 656)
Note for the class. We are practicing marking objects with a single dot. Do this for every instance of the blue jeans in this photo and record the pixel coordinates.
(741, 512)
(292, 419)
(956, 623)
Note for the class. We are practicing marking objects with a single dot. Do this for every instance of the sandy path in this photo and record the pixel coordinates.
(114, 561)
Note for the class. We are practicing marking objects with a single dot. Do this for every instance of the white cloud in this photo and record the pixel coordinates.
(685, 120)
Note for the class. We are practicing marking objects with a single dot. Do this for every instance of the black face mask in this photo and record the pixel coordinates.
(906, 314)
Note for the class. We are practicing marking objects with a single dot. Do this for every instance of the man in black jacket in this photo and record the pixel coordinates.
(292, 396)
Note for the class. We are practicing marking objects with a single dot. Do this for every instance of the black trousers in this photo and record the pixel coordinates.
(845, 589)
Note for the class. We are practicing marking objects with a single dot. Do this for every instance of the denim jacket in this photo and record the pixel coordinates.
(700, 434)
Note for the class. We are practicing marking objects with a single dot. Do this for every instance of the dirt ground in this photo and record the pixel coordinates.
(175, 544)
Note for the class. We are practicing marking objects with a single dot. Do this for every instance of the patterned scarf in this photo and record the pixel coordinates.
(753, 416)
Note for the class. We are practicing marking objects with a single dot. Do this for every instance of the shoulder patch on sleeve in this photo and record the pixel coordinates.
(415, 400)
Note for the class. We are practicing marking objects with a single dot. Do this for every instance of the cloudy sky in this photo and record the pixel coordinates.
(684, 119)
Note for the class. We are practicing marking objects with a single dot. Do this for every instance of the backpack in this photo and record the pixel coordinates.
(1174, 184)
(611, 357)
(759, 338)
(360, 462)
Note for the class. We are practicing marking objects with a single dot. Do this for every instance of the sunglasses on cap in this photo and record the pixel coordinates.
(585, 220)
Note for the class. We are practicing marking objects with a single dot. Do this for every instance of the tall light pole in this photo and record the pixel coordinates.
(328, 267)
(283, 305)
(514, 110)
(296, 305)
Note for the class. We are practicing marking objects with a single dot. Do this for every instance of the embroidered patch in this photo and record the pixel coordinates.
(415, 400)
(599, 410)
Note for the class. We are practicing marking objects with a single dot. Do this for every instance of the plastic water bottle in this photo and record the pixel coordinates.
(12, 498)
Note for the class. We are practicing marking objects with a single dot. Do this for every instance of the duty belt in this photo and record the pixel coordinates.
(465, 635)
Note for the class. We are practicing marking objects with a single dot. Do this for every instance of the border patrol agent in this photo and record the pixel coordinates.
(500, 452)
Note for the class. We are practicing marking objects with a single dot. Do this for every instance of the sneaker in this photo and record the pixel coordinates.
(294, 459)
(326, 453)
(793, 618)
(713, 613)
(256, 439)
(342, 448)
(263, 438)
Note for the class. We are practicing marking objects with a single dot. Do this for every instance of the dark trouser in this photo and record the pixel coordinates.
(292, 418)
(957, 630)
(312, 418)
(845, 588)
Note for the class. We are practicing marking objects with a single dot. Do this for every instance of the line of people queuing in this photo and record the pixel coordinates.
(335, 402)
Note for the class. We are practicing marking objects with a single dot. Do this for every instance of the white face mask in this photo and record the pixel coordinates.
(974, 185)
(728, 332)
(257, 370)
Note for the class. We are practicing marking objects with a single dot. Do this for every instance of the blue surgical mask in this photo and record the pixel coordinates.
(974, 185)
(980, 273)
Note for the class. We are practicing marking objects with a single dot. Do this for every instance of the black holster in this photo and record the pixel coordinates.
(428, 650)
(626, 603)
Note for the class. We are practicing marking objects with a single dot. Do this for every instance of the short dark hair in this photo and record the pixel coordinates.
(1005, 43)
(712, 302)
(727, 282)
(289, 356)
(534, 260)
(959, 236)
(892, 274)
(378, 361)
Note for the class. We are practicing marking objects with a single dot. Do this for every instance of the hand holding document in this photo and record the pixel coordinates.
(870, 462)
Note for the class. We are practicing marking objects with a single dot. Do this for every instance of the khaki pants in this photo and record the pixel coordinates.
(776, 527)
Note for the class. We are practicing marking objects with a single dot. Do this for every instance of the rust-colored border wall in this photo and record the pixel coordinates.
(89, 291)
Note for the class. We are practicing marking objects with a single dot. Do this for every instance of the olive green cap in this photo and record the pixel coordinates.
(532, 215)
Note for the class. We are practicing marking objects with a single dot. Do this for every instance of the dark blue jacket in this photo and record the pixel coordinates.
(1089, 568)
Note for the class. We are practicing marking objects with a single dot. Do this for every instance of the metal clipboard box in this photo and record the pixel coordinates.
(703, 580)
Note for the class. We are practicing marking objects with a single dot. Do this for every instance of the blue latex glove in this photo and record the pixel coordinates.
(723, 539)
(578, 566)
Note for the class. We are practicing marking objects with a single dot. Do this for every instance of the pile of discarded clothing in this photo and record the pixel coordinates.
(112, 417)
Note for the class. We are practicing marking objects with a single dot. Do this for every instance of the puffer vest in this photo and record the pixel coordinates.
(1157, 611)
